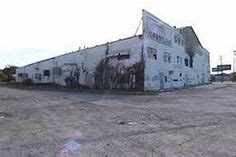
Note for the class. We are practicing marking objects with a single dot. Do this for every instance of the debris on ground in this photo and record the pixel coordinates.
(129, 123)
(36, 100)
(122, 123)
(4, 115)
(132, 123)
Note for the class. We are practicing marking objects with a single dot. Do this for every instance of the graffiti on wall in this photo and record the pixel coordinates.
(112, 74)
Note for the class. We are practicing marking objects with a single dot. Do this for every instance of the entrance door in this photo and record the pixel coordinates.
(162, 80)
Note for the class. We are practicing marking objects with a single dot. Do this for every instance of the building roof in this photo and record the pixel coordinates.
(81, 50)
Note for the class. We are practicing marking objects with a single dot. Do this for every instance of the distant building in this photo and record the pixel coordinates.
(221, 77)
(162, 57)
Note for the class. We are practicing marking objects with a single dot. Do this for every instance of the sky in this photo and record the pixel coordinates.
(32, 30)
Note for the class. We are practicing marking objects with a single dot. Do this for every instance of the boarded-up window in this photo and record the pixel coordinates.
(56, 71)
(38, 76)
(152, 53)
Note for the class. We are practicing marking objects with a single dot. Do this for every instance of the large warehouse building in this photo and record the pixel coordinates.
(162, 57)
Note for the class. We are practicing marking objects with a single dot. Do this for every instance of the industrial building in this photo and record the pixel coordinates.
(162, 57)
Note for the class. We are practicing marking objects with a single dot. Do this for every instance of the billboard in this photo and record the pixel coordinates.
(224, 67)
(221, 68)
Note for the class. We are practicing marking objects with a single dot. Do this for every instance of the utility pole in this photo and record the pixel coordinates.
(234, 61)
(221, 63)
(234, 68)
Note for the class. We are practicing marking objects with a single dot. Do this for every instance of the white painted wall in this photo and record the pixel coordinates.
(164, 75)
(158, 74)
(85, 60)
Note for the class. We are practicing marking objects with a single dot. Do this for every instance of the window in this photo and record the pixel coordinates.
(82, 65)
(46, 73)
(178, 41)
(191, 62)
(186, 62)
(175, 39)
(151, 34)
(152, 53)
(171, 72)
(179, 60)
(161, 38)
(20, 75)
(167, 57)
(56, 71)
(180, 75)
(155, 56)
(37, 76)
(24, 75)
(166, 79)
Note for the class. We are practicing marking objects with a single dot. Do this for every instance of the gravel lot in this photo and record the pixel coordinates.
(200, 121)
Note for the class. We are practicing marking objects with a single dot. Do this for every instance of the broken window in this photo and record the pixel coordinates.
(38, 76)
(151, 34)
(154, 56)
(166, 79)
(20, 75)
(152, 53)
(186, 62)
(46, 73)
(191, 62)
(179, 60)
(167, 57)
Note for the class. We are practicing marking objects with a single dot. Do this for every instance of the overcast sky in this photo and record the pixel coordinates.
(31, 30)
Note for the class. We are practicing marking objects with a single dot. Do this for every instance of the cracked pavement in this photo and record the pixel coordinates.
(199, 121)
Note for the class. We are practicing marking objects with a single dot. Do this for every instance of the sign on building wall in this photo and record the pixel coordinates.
(155, 29)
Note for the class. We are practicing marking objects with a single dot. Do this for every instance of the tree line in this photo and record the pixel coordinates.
(6, 74)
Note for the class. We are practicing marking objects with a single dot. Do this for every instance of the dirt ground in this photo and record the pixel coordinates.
(193, 122)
